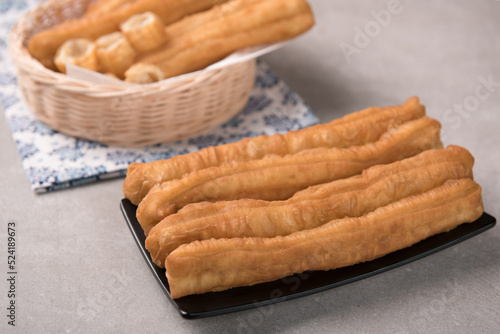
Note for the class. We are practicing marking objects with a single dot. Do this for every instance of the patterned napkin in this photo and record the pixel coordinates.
(54, 161)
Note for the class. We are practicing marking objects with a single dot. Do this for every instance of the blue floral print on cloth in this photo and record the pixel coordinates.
(54, 161)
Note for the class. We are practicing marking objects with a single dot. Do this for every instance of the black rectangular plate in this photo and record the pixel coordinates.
(237, 299)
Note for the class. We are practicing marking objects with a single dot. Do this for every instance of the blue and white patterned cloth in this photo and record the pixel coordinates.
(54, 161)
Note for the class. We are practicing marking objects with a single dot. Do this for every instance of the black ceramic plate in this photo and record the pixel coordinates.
(216, 303)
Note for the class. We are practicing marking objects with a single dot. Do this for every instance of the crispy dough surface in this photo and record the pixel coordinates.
(352, 197)
(210, 51)
(244, 17)
(219, 264)
(192, 22)
(278, 178)
(257, 23)
(44, 44)
(101, 7)
(353, 129)
(324, 190)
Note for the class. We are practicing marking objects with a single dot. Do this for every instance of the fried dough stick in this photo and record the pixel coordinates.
(450, 156)
(220, 264)
(191, 22)
(357, 128)
(352, 197)
(100, 7)
(278, 178)
(44, 44)
(214, 50)
(255, 23)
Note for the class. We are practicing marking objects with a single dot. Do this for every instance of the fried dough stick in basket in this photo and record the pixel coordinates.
(220, 264)
(357, 128)
(101, 7)
(260, 23)
(218, 23)
(214, 50)
(43, 45)
(191, 22)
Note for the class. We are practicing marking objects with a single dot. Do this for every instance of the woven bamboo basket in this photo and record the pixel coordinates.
(123, 115)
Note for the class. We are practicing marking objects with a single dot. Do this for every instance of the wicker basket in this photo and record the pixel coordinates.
(128, 115)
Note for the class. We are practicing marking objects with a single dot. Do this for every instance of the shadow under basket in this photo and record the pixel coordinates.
(123, 115)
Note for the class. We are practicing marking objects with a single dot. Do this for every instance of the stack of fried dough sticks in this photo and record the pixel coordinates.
(144, 41)
(324, 197)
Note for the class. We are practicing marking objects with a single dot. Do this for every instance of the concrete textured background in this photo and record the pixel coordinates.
(81, 272)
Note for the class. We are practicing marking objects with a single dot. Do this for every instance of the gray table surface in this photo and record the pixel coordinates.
(80, 270)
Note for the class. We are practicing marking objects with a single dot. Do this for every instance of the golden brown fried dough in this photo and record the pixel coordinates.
(352, 197)
(278, 178)
(260, 23)
(267, 21)
(100, 7)
(44, 44)
(80, 52)
(357, 128)
(451, 155)
(191, 22)
(212, 50)
(144, 74)
(144, 31)
(220, 264)
(115, 54)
